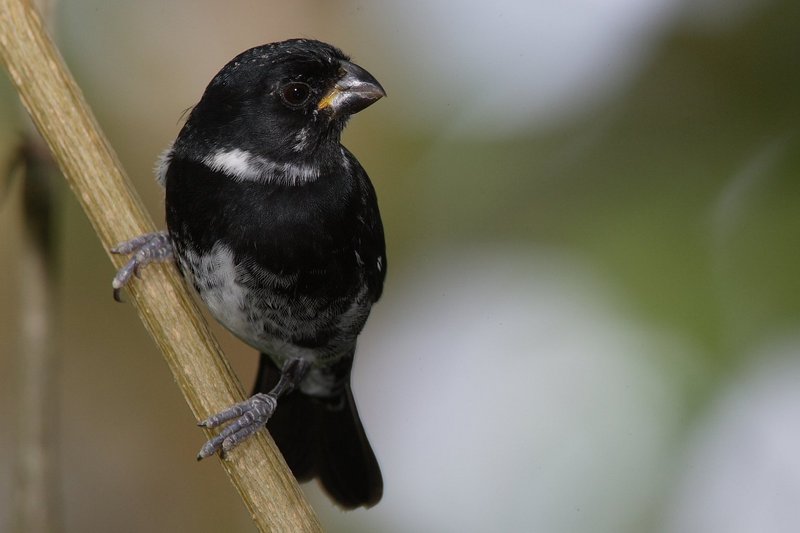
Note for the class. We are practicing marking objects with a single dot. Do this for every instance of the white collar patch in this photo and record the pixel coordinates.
(241, 165)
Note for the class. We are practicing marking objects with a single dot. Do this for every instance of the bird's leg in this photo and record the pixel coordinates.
(253, 413)
(148, 248)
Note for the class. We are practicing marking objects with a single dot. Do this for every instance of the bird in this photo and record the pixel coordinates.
(276, 226)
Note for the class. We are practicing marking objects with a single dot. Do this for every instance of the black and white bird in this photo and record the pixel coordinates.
(276, 226)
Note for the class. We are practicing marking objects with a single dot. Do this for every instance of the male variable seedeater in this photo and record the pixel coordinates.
(276, 226)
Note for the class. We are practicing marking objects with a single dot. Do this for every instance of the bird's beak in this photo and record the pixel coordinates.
(354, 91)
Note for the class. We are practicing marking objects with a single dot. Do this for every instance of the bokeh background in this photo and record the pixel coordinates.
(591, 318)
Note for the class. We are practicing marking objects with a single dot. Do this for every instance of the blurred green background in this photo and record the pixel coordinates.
(591, 316)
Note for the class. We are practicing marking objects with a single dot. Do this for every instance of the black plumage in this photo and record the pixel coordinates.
(276, 225)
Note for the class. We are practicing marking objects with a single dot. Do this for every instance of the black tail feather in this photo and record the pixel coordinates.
(324, 438)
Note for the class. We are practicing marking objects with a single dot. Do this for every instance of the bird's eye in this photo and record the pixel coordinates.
(295, 94)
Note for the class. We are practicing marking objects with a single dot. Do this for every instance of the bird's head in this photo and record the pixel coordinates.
(285, 101)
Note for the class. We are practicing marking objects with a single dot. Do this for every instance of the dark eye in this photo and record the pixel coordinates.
(295, 94)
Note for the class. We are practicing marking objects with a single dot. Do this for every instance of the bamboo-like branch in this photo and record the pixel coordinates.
(58, 109)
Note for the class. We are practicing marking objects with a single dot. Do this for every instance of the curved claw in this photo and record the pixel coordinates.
(210, 447)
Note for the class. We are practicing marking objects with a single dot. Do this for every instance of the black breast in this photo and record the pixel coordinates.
(307, 230)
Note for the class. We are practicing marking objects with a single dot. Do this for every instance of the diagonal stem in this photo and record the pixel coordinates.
(92, 170)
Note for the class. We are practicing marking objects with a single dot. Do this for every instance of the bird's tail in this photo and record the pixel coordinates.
(323, 438)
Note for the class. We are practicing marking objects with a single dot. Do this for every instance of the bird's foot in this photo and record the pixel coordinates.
(148, 248)
(251, 415)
